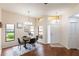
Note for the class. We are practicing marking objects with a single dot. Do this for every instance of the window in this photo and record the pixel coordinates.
(32, 30)
(10, 32)
(41, 32)
(29, 28)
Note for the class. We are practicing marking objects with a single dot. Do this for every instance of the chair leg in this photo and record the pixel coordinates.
(33, 45)
(19, 47)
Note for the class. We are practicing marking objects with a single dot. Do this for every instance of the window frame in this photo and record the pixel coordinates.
(32, 28)
(40, 31)
(6, 33)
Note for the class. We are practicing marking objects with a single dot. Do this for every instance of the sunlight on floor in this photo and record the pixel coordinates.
(56, 45)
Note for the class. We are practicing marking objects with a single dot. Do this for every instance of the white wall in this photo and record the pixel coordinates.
(10, 17)
(0, 42)
(0, 33)
(64, 29)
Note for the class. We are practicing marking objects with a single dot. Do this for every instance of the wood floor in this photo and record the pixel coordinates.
(47, 50)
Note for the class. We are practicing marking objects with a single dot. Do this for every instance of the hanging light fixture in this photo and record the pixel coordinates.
(28, 23)
(45, 3)
(54, 19)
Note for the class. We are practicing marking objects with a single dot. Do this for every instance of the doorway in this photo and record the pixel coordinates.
(73, 30)
(53, 33)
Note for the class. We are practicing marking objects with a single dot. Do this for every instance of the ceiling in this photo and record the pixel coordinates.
(36, 9)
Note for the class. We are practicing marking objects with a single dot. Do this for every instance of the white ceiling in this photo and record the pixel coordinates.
(36, 9)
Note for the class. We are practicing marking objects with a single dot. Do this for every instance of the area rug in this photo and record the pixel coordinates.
(16, 51)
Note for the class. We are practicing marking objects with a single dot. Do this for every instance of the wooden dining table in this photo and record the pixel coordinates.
(26, 40)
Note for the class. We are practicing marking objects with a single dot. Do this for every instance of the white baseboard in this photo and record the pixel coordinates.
(65, 46)
(59, 43)
(72, 48)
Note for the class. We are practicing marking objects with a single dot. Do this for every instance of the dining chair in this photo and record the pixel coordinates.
(20, 43)
(32, 41)
(37, 37)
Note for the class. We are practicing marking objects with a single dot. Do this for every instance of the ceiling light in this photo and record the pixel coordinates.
(45, 3)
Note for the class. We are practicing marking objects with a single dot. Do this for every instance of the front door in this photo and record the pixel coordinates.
(73, 34)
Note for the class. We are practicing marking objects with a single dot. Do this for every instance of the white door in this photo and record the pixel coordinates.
(53, 33)
(49, 33)
(73, 35)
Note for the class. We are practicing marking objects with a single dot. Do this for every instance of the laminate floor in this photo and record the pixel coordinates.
(46, 50)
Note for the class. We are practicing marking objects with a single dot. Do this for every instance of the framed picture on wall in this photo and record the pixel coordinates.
(19, 25)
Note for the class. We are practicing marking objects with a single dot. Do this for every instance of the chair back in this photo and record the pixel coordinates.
(19, 41)
(24, 36)
(32, 41)
(36, 38)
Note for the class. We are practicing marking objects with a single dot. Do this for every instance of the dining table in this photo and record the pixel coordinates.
(26, 40)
